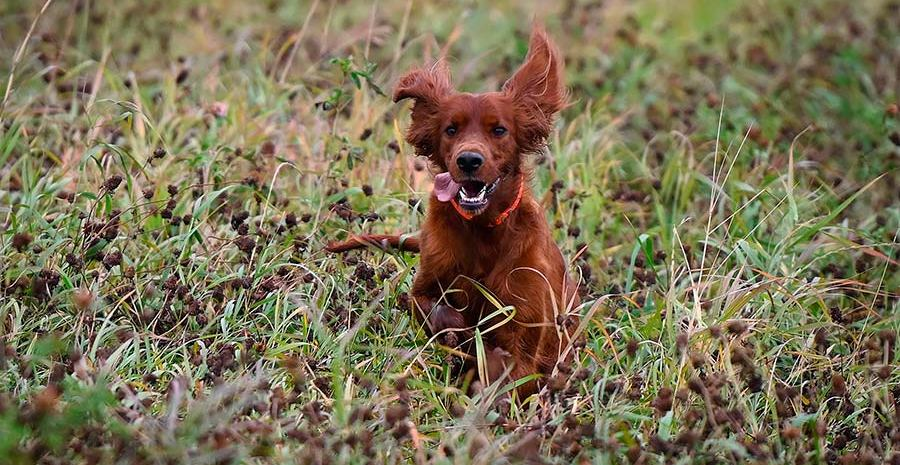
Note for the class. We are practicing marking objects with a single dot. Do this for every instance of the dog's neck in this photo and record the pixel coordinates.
(475, 245)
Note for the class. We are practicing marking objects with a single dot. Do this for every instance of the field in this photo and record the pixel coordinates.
(725, 183)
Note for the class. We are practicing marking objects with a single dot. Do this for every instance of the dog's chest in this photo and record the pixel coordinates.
(475, 275)
(480, 259)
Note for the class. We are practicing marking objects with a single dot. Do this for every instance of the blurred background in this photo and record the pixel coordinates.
(650, 66)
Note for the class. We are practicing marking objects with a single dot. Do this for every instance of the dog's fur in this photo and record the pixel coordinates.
(513, 257)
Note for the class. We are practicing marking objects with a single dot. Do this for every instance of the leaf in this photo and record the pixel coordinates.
(514, 384)
(629, 275)
(809, 231)
(375, 87)
(665, 426)
(647, 246)
(94, 251)
(480, 355)
(804, 419)
(10, 139)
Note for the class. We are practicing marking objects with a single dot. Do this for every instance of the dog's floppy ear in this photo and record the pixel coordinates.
(428, 87)
(537, 89)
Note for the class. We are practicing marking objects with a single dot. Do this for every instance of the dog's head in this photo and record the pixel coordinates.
(479, 139)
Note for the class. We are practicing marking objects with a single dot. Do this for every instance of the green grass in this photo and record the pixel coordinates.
(171, 173)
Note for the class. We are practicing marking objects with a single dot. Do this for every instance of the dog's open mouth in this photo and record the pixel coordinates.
(474, 195)
(471, 195)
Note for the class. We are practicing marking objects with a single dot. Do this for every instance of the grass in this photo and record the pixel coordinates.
(725, 183)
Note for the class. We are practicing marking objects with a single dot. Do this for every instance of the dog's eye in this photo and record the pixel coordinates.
(499, 131)
(450, 131)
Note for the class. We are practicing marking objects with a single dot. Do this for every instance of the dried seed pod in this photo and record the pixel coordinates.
(112, 182)
(21, 241)
(395, 413)
(737, 327)
(838, 385)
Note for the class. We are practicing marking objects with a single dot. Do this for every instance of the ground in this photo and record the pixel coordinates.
(725, 184)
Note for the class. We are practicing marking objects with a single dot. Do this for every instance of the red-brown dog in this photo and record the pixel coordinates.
(483, 224)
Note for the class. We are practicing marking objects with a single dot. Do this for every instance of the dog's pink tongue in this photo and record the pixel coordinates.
(445, 188)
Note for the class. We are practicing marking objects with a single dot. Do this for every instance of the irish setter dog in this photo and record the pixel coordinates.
(484, 233)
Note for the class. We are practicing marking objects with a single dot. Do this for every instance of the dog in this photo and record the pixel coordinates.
(485, 238)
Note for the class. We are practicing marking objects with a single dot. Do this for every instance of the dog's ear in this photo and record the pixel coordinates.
(537, 89)
(428, 87)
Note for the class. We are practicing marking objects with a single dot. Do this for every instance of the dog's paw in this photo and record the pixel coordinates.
(445, 317)
(449, 339)
(501, 353)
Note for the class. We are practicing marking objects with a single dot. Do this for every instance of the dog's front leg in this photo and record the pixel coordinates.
(441, 319)
(438, 317)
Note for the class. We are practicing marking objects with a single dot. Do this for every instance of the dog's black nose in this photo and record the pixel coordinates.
(468, 162)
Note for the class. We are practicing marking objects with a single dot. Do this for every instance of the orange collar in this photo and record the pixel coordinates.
(502, 216)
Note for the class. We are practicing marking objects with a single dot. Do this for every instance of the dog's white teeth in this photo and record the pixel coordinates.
(466, 197)
(474, 198)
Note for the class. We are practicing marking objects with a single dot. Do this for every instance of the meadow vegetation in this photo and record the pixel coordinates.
(725, 185)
